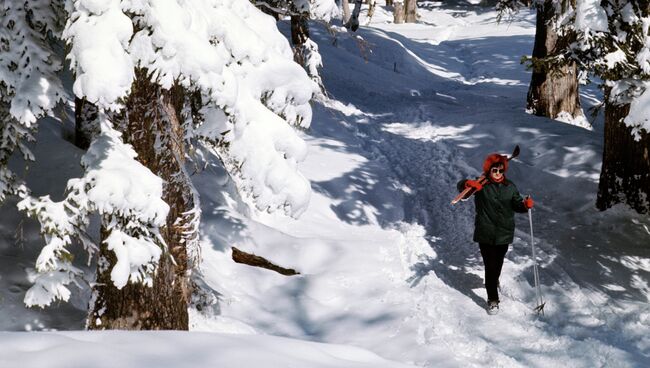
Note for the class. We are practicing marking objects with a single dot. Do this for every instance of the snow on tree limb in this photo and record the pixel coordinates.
(243, 68)
(52, 285)
(128, 197)
(29, 85)
(99, 32)
(118, 184)
(228, 50)
(136, 258)
(28, 66)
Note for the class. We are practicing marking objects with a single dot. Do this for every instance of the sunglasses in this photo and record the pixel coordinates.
(497, 170)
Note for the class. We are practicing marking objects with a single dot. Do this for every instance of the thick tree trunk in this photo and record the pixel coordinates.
(85, 124)
(153, 128)
(552, 92)
(299, 35)
(625, 174)
(411, 9)
(399, 12)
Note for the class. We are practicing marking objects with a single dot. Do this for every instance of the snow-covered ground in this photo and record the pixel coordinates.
(173, 349)
(386, 263)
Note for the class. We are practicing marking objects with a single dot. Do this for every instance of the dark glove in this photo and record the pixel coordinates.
(528, 202)
(474, 184)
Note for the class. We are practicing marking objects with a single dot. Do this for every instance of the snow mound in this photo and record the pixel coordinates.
(176, 349)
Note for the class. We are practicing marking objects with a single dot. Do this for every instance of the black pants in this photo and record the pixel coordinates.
(493, 256)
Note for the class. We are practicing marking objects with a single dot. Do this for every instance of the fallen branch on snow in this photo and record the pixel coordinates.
(256, 261)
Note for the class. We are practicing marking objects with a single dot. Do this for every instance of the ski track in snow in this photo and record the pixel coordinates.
(576, 330)
(460, 325)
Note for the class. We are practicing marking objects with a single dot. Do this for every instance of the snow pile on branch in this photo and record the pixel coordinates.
(590, 16)
(118, 184)
(324, 10)
(99, 33)
(29, 87)
(233, 56)
(28, 65)
(127, 196)
(638, 95)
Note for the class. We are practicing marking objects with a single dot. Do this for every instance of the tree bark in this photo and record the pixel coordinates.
(625, 174)
(399, 12)
(299, 35)
(389, 2)
(411, 9)
(371, 8)
(153, 127)
(85, 124)
(346, 11)
(552, 92)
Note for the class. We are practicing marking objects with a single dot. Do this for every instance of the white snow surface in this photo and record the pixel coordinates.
(169, 349)
(386, 263)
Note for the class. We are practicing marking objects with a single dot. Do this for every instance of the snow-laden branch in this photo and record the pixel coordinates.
(29, 85)
(28, 66)
(125, 194)
(243, 68)
(99, 33)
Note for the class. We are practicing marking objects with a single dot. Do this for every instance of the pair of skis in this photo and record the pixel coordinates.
(469, 191)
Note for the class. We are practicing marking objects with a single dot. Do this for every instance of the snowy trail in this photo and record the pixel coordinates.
(423, 143)
(387, 264)
(425, 168)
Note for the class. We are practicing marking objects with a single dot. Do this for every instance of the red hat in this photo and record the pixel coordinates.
(495, 159)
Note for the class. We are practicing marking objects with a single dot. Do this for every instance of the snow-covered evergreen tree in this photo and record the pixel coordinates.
(613, 41)
(163, 75)
(609, 39)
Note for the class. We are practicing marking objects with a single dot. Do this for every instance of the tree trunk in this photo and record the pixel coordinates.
(371, 9)
(153, 128)
(299, 35)
(85, 124)
(625, 174)
(411, 9)
(389, 2)
(346, 11)
(552, 92)
(399, 14)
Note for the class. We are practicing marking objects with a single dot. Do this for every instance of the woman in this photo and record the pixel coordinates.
(496, 203)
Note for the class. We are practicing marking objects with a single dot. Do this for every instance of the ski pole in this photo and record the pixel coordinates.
(538, 290)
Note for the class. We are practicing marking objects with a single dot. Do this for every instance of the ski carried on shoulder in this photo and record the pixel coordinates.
(468, 192)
